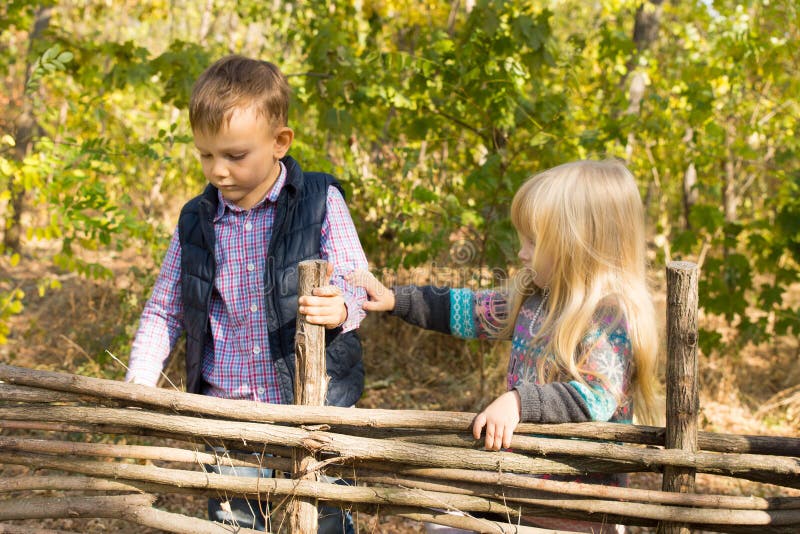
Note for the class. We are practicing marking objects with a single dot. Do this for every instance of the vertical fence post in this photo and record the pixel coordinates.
(310, 387)
(682, 393)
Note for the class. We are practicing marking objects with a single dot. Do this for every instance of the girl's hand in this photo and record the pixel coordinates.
(325, 306)
(500, 419)
(381, 298)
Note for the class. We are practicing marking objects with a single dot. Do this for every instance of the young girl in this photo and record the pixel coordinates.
(579, 314)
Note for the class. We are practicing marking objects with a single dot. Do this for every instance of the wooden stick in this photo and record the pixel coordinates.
(58, 507)
(464, 521)
(171, 522)
(269, 488)
(364, 470)
(718, 463)
(61, 483)
(588, 456)
(682, 393)
(344, 446)
(601, 507)
(134, 508)
(175, 401)
(264, 488)
(140, 452)
(310, 388)
(10, 392)
(27, 529)
(556, 487)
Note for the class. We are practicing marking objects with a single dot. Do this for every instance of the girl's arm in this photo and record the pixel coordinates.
(424, 306)
(547, 403)
(447, 310)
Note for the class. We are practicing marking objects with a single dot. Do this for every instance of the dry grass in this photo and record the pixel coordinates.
(756, 391)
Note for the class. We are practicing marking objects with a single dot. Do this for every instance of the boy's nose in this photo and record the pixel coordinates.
(219, 169)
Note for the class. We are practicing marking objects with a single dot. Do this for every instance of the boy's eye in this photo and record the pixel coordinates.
(236, 157)
(204, 156)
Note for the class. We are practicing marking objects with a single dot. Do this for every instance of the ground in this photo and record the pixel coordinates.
(756, 391)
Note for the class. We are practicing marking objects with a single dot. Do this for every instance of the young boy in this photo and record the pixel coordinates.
(229, 279)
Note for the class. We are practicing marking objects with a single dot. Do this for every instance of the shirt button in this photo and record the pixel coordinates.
(248, 226)
(256, 350)
(261, 391)
(253, 308)
(251, 267)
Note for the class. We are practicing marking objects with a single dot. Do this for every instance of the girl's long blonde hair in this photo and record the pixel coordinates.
(587, 222)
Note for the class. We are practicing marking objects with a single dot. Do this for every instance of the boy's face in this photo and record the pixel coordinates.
(241, 160)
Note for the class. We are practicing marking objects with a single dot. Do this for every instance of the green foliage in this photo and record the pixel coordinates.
(53, 59)
(432, 118)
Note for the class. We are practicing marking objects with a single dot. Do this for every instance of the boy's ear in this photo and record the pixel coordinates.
(283, 140)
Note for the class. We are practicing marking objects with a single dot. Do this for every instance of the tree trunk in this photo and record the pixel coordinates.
(25, 126)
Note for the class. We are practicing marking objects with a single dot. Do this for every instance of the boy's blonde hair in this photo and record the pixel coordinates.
(587, 222)
(237, 82)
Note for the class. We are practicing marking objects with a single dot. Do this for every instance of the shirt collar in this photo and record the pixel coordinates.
(271, 196)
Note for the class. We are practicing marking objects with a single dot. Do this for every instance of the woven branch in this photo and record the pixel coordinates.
(589, 456)
(178, 402)
(592, 509)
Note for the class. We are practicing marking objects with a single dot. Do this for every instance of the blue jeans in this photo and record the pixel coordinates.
(252, 513)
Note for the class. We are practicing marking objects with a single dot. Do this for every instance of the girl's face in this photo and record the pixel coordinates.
(543, 270)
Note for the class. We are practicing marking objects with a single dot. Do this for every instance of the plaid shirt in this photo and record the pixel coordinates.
(239, 365)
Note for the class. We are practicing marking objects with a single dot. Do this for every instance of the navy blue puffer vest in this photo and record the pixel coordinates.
(295, 237)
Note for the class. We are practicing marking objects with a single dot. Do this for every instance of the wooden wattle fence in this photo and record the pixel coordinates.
(414, 464)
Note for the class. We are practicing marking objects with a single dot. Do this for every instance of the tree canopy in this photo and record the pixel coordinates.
(431, 114)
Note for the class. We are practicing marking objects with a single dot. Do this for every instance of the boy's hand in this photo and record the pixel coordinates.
(325, 306)
(381, 298)
(500, 419)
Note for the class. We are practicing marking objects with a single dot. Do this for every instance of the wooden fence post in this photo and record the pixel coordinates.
(682, 393)
(310, 388)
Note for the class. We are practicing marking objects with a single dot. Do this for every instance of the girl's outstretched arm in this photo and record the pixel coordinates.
(424, 306)
(460, 312)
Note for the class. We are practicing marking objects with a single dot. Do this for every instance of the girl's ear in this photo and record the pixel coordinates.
(283, 140)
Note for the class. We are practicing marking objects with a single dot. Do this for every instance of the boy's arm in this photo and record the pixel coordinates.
(340, 246)
(161, 322)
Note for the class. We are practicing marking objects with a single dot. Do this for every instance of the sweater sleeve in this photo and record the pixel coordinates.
(424, 306)
(460, 312)
(557, 402)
